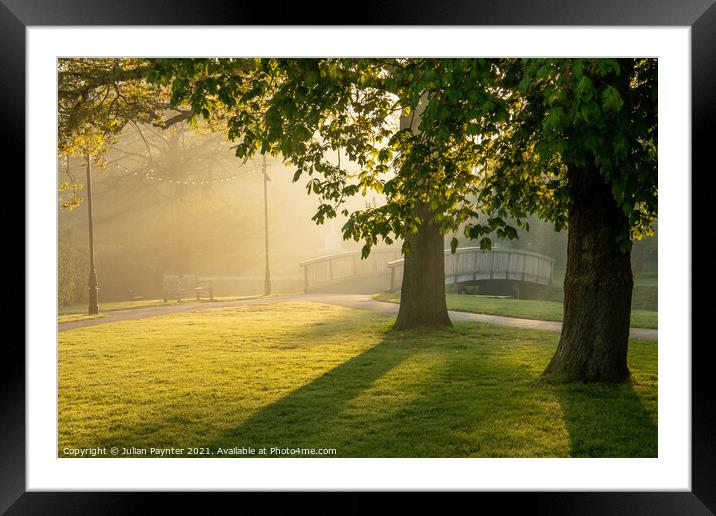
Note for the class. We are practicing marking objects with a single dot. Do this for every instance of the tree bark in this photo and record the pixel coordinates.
(597, 287)
(422, 297)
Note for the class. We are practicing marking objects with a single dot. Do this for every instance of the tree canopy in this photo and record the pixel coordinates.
(494, 141)
(97, 99)
(582, 113)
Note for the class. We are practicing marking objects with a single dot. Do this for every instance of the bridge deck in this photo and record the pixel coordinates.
(336, 268)
(468, 264)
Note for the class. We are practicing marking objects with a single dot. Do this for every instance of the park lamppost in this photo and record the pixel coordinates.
(267, 276)
(93, 308)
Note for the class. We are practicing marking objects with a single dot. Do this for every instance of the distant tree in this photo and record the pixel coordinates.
(171, 211)
(173, 169)
(71, 273)
(97, 99)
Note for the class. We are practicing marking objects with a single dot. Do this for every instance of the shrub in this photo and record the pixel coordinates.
(72, 274)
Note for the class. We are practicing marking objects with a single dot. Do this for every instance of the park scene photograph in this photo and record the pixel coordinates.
(357, 257)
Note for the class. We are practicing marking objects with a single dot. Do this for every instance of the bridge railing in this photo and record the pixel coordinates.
(334, 268)
(474, 264)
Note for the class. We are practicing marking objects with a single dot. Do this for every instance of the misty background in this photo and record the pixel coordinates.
(178, 201)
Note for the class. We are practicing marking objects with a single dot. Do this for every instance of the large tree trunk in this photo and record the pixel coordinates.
(597, 287)
(422, 297)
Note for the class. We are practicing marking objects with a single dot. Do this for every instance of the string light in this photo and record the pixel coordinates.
(148, 175)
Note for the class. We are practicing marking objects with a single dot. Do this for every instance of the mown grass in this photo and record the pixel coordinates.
(63, 318)
(522, 308)
(316, 376)
(78, 312)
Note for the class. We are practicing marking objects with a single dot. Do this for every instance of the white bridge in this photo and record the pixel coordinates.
(466, 265)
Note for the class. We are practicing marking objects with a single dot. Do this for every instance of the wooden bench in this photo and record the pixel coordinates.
(175, 285)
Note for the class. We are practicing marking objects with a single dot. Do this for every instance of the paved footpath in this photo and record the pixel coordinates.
(356, 301)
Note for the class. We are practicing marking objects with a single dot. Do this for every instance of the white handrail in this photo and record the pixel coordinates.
(331, 268)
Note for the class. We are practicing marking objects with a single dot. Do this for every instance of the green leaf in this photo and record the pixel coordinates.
(554, 119)
(585, 89)
(365, 251)
(310, 78)
(524, 84)
(453, 245)
(618, 192)
(611, 100)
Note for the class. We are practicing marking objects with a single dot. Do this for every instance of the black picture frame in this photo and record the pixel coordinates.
(700, 15)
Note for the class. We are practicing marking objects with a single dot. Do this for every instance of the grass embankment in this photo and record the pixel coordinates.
(304, 375)
(78, 312)
(522, 308)
(644, 295)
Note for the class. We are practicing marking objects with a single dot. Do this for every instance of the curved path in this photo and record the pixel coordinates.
(356, 301)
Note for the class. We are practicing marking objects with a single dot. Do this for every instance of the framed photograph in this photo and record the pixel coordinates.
(410, 251)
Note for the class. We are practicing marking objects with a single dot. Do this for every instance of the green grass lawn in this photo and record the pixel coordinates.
(63, 318)
(305, 375)
(78, 312)
(522, 308)
(646, 280)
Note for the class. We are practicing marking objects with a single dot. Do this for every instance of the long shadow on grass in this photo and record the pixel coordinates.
(292, 345)
(300, 418)
(607, 421)
(333, 324)
(453, 396)
(470, 391)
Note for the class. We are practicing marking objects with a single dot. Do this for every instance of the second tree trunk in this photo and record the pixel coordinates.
(422, 298)
(597, 287)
